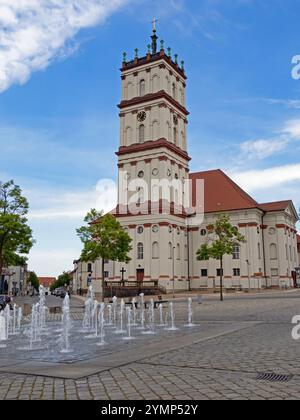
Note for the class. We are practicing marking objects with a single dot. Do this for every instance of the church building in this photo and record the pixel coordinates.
(166, 209)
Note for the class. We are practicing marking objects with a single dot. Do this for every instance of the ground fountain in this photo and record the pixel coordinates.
(129, 325)
(66, 326)
(121, 316)
(190, 323)
(171, 316)
(142, 311)
(161, 316)
(101, 320)
(3, 330)
(151, 319)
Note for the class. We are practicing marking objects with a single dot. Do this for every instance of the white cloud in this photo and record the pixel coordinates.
(292, 129)
(262, 149)
(33, 33)
(289, 103)
(260, 179)
(54, 204)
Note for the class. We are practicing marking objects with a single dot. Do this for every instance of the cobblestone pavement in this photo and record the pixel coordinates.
(220, 367)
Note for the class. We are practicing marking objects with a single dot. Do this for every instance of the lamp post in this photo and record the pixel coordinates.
(174, 272)
(249, 281)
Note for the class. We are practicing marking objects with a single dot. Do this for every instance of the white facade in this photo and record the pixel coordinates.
(153, 149)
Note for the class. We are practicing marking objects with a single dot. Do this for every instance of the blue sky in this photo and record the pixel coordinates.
(60, 84)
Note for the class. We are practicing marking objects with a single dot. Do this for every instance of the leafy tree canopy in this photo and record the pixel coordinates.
(15, 234)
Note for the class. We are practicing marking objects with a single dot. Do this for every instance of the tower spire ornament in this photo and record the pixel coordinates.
(154, 37)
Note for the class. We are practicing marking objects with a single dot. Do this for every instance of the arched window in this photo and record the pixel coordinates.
(181, 95)
(155, 128)
(273, 252)
(155, 83)
(128, 135)
(286, 252)
(178, 252)
(182, 139)
(141, 133)
(168, 84)
(169, 131)
(155, 250)
(142, 87)
(175, 136)
(186, 252)
(129, 91)
(170, 251)
(236, 252)
(259, 251)
(140, 251)
(90, 268)
(174, 90)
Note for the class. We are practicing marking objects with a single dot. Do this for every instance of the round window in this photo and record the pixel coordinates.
(141, 174)
(272, 231)
(203, 232)
(155, 172)
(140, 230)
(155, 229)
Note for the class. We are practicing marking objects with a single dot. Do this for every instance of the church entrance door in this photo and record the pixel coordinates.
(140, 275)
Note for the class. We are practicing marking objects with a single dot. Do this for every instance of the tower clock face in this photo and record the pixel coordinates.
(141, 116)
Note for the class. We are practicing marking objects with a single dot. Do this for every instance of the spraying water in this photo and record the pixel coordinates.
(129, 324)
(115, 304)
(172, 317)
(121, 314)
(101, 320)
(109, 322)
(134, 322)
(3, 330)
(66, 326)
(190, 313)
(142, 311)
(151, 319)
(20, 318)
(161, 316)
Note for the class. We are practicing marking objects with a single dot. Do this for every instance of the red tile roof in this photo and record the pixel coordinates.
(46, 281)
(276, 206)
(221, 193)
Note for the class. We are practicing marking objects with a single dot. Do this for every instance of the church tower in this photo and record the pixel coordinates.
(153, 159)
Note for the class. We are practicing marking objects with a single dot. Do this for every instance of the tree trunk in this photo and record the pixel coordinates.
(103, 280)
(1, 268)
(221, 280)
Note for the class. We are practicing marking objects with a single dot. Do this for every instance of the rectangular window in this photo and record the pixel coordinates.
(106, 274)
(236, 252)
(204, 273)
(220, 272)
(236, 272)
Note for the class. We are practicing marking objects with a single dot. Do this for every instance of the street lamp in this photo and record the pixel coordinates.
(174, 272)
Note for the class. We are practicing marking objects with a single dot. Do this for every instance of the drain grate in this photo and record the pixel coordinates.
(274, 377)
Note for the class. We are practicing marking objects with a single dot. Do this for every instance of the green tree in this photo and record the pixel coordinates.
(103, 237)
(33, 280)
(62, 280)
(222, 239)
(15, 234)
